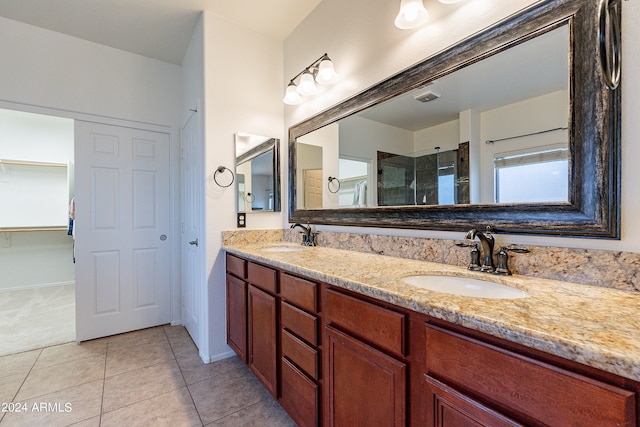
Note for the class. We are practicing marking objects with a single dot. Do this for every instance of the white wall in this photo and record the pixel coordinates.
(366, 47)
(242, 93)
(445, 135)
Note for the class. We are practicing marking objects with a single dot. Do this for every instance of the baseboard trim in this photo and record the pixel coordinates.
(221, 356)
(37, 286)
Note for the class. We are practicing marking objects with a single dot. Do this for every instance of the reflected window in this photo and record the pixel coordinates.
(537, 176)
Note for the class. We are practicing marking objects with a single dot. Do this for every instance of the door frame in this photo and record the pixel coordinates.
(174, 180)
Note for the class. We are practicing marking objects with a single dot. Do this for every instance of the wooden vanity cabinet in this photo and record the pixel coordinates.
(334, 357)
(262, 325)
(365, 371)
(237, 305)
(471, 382)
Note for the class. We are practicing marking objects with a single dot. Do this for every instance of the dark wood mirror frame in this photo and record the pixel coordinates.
(593, 209)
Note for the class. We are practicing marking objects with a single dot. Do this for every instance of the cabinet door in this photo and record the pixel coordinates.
(364, 387)
(237, 316)
(447, 407)
(262, 338)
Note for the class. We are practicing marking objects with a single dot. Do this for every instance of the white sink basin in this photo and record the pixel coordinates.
(465, 286)
(283, 248)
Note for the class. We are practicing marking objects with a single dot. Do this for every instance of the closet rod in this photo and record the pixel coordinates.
(13, 230)
(491, 141)
(21, 163)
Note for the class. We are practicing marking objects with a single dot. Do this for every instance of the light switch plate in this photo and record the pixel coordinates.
(241, 220)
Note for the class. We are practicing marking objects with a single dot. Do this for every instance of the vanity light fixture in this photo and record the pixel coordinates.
(412, 14)
(321, 71)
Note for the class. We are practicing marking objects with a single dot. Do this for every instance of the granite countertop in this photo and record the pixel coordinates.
(596, 326)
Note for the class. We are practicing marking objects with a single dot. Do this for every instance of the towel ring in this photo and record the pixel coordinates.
(609, 42)
(221, 170)
(332, 179)
(248, 198)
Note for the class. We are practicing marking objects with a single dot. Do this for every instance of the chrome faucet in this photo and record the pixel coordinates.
(309, 238)
(486, 242)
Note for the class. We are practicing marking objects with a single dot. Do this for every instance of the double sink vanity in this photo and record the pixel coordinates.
(348, 338)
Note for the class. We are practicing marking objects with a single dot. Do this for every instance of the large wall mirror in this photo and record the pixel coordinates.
(257, 173)
(516, 127)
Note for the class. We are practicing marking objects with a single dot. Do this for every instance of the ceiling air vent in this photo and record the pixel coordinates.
(427, 96)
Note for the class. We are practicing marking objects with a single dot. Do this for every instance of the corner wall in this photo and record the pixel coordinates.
(242, 79)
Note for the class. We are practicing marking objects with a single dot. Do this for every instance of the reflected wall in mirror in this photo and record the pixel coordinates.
(473, 136)
(512, 127)
(257, 173)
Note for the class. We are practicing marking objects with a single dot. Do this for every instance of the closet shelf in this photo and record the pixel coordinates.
(22, 229)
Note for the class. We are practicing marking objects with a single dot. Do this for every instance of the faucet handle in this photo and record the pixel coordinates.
(474, 263)
(464, 244)
(503, 257)
(515, 249)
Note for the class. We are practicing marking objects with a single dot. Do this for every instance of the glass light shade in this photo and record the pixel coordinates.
(412, 14)
(450, 1)
(292, 97)
(307, 86)
(326, 72)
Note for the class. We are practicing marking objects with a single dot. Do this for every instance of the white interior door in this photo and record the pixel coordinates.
(192, 249)
(122, 229)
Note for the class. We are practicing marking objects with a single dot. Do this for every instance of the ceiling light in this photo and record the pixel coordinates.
(412, 14)
(320, 71)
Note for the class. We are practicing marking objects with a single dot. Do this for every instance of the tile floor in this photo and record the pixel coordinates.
(153, 377)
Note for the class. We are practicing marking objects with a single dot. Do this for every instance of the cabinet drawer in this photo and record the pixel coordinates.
(528, 388)
(305, 357)
(237, 266)
(300, 292)
(262, 277)
(382, 327)
(300, 323)
(299, 396)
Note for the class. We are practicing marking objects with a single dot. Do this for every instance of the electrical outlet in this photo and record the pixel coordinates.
(242, 220)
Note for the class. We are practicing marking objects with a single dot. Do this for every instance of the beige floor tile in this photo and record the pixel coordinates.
(9, 386)
(91, 422)
(198, 372)
(264, 413)
(121, 359)
(173, 409)
(18, 364)
(140, 337)
(220, 396)
(187, 354)
(70, 352)
(142, 384)
(176, 332)
(61, 408)
(51, 379)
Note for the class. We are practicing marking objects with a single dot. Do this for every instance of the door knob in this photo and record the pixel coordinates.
(194, 242)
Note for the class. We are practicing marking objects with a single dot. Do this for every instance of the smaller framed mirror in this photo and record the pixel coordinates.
(257, 173)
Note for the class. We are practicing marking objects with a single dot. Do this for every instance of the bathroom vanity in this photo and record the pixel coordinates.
(338, 338)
